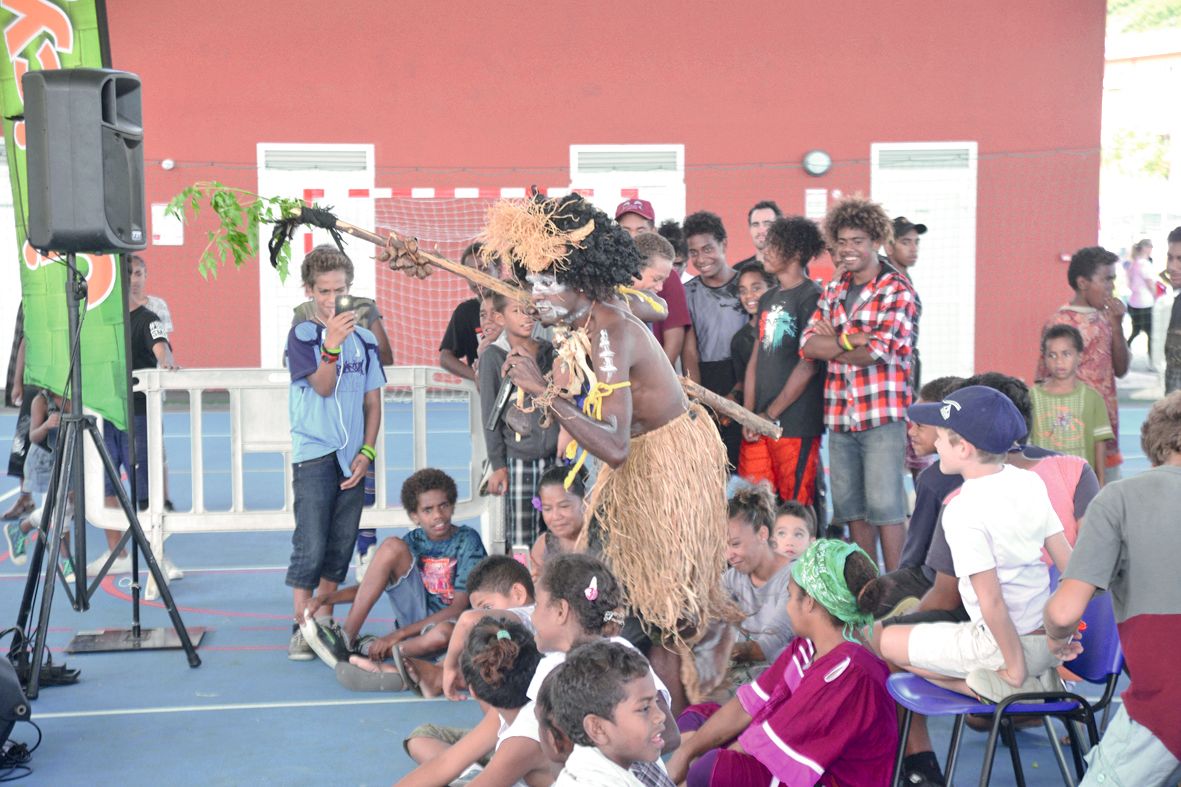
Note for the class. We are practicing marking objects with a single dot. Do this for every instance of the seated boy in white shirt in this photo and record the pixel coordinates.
(996, 526)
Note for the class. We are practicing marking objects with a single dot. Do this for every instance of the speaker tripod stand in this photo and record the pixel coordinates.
(66, 482)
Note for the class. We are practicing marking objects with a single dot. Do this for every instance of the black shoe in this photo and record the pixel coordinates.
(327, 641)
(922, 770)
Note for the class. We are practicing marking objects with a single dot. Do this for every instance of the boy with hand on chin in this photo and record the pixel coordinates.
(996, 526)
(335, 411)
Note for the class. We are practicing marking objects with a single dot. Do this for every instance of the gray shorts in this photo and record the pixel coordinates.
(439, 732)
(866, 475)
(1129, 755)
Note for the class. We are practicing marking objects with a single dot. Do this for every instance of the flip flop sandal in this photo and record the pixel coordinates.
(355, 678)
(403, 670)
(19, 509)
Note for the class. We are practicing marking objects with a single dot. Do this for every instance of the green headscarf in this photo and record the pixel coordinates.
(820, 571)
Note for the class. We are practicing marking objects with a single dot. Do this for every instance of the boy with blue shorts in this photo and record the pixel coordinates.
(335, 409)
(424, 576)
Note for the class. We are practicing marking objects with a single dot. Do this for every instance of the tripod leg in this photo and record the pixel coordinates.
(135, 530)
(56, 525)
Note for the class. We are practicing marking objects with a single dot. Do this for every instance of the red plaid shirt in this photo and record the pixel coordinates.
(857, 398)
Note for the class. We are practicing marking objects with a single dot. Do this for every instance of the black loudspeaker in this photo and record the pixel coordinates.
(13, 705)
(84, 132)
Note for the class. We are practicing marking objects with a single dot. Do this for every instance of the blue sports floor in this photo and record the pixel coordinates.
(248, 714)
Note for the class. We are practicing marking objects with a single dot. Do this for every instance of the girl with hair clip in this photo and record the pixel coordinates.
(579, 601)
(498, 662)
(820, 713)
(563, 510)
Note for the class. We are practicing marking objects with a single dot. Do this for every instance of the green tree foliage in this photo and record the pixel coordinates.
(1138, 16)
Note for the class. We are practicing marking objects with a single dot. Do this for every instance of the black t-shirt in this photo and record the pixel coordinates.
(741, 346)
(146, 331)
(781, 319)
(462, 337)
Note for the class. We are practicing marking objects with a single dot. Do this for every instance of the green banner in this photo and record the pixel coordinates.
(43, 35)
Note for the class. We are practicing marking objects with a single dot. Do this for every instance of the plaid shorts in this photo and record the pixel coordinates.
(522, 520)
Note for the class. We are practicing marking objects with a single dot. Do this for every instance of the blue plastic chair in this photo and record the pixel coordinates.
(1100, 662)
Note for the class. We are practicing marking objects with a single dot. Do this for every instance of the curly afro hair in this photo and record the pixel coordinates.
(1084, 263)
(704, 223)
(427, 479)
(671, 231)
(1160, 434)
(858, 213)
(794, 236)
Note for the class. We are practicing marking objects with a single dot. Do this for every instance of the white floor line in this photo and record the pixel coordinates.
(9, 494)
(241, 706)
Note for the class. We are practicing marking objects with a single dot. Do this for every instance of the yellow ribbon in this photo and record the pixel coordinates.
(645, 297)
(592, 406)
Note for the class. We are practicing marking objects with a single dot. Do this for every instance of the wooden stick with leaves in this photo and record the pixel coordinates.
(237, 238)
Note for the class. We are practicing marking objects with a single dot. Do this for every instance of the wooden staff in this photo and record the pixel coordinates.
(400, 247)
(731, 409)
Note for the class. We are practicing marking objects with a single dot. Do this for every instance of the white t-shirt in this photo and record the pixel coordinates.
(1001, 521)
(525, 724)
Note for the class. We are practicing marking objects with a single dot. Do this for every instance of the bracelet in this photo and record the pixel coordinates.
(330, 350)
(843, 340)
(368, 452)
(326, 357)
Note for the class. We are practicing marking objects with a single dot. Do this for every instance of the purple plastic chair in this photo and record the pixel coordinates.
(1100, 662)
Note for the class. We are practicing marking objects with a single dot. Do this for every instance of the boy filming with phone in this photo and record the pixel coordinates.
(335, 411)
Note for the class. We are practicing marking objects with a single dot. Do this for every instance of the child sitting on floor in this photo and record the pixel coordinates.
(821, 712)
(795, 529)
(424, 576)
(498, 586)
(606, 704)
(996, 526)
(563, 510)
(499, 659)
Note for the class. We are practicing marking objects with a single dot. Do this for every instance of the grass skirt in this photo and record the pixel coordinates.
(661, 520)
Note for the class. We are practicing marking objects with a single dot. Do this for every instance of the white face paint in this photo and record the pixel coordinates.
(606, 356)
(544, 287)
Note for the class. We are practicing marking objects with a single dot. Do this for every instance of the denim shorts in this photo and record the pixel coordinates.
(117, 446)
(326, 519)
(866, 473)
(407, 596)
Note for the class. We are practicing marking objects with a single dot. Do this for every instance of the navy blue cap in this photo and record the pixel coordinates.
(981, 415)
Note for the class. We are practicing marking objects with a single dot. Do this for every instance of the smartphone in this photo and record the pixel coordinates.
(345, 303)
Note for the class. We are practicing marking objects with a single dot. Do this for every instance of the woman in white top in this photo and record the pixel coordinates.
(1142, 291)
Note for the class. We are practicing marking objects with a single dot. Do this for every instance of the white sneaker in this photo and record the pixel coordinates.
(363, 561)
(121, 565)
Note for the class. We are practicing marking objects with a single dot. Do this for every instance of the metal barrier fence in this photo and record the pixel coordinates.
(258, 423)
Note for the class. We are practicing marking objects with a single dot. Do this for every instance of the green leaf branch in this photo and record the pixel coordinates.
(239, 214)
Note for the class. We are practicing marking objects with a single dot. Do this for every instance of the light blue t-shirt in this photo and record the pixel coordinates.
(321, 425)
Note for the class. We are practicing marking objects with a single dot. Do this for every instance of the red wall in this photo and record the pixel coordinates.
(504, 89)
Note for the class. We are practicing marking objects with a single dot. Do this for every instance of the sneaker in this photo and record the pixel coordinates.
(18, 543)
(121, 565)
(67, 567)
(326, 640)
(362, 643)
(298, 650)
(363, 561)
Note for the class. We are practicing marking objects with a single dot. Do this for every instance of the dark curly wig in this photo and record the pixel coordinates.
(549, 235)
(427, 479)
